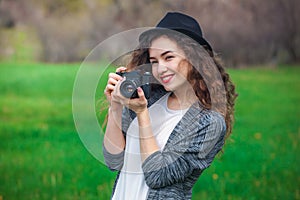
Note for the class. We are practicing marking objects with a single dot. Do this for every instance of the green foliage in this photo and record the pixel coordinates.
(61, 7)
(42, 156)
(19, 44)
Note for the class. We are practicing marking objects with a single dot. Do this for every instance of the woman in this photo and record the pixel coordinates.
(161, 145)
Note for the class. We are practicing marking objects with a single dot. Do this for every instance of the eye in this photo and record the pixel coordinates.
(169, 57)
(153, 62)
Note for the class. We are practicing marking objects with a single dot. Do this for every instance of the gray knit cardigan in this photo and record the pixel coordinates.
(191, 148)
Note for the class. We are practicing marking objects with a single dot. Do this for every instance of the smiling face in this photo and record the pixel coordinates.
(169, 65)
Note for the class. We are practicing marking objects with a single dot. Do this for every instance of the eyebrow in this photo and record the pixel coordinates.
(161, 55)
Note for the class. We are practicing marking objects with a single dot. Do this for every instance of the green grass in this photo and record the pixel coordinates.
(42, 157)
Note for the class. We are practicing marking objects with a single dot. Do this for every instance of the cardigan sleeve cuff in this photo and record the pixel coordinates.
(113, 161)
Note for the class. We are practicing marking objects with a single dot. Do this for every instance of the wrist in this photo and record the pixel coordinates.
(115, 106)
(143, 118)
(142, 112)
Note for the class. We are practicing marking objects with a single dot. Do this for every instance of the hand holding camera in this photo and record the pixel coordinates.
(124, 88)
(133, 80)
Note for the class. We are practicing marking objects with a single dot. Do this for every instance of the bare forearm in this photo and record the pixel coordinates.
(148, 144)
(114, 140)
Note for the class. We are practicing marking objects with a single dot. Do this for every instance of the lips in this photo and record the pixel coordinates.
(166, 78)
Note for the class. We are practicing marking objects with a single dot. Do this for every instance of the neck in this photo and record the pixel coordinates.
(182, 100)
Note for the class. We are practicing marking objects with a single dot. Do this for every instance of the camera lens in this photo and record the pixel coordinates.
(128, 88)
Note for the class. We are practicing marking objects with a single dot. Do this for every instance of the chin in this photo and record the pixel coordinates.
(168, 89)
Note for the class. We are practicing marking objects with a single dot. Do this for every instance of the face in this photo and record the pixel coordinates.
(169, 65)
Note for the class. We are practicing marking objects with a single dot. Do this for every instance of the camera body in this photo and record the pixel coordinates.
(133, 80)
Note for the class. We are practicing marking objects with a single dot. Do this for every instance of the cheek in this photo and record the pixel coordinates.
(183, 68)
(154, 72)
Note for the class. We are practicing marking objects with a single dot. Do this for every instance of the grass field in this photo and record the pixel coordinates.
(42, 157)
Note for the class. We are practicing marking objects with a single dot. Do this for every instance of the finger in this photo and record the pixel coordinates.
(115, 76)
(121, 69)
(110, 85)
(110, 88)
(141, 93)
(112, 81)
(117, 86)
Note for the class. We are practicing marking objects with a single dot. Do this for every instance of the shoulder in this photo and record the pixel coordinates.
(199, 118)
(212, 121)
(212, 117)
(217, 123)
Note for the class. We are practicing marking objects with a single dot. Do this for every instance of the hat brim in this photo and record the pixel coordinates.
(188, 33)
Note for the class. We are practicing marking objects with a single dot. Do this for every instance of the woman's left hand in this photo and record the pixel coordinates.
(137, 105)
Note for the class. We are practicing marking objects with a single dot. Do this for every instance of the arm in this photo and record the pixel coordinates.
(148, 144)
(114, 140)
(194, 151)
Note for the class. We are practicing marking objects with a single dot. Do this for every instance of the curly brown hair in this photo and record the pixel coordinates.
(211, 83)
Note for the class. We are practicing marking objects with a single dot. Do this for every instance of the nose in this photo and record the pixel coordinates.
(161, 68)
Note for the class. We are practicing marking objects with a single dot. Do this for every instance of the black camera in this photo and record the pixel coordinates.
(133, 80)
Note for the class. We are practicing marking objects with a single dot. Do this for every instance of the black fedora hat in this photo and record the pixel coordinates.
(182, 23)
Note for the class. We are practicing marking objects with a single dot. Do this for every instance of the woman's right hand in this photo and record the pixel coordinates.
(113, 80)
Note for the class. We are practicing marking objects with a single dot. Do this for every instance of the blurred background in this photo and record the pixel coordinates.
(43, 44)
(243, 32)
